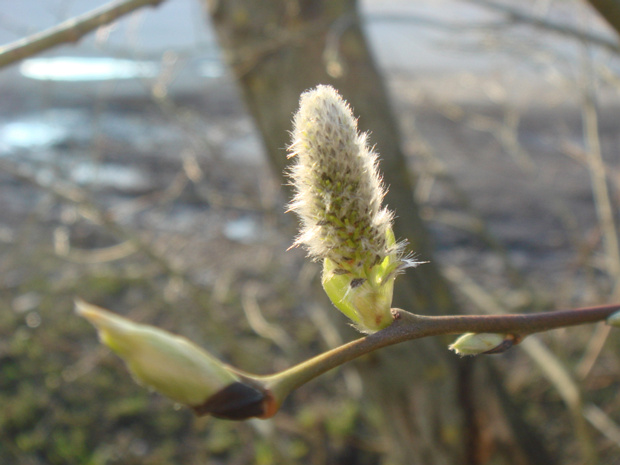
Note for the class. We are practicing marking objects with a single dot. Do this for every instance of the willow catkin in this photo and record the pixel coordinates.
(338, 198)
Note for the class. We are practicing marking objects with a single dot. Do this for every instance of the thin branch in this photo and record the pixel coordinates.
(519, 15)
(408, 326)
(610, 10)
(69, 31)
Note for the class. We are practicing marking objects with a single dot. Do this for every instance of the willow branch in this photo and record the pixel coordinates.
(69, 31)
(408, 326)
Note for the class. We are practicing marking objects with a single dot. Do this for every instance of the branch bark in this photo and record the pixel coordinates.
(408, 326)
(69, 31)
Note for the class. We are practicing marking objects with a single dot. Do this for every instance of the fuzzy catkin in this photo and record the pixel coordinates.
(338, 187)
(338, 198)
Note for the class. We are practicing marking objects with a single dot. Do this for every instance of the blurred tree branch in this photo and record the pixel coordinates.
(69, 31)
(518, 15)
(610, 10)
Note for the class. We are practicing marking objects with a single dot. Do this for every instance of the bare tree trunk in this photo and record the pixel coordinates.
(277, 50)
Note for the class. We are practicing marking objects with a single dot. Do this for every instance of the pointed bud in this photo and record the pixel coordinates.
(167, 363)
(614, 320)
(481, 343)
(338, 198)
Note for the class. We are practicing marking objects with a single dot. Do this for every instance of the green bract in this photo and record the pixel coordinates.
(366, 296)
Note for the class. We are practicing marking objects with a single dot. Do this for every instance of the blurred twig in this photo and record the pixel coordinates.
(519, 15)
(69, 31)
(610, 10)
(259, 323)
(598, 176)
(98, 216)
(593, 350)
(601, 421)
(100, 255)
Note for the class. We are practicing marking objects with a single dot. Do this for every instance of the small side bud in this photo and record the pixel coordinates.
(170, 364)
(481, 343)
(614, 319)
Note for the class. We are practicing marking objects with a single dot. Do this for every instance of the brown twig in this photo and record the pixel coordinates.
(69, 31)
(408, 326)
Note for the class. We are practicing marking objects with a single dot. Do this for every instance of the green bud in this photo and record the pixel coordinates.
(170, 364)
(366, 296)
(614, 319)
(338, 198)
(477, 343)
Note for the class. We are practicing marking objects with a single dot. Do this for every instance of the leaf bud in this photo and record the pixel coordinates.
(481, 343)
(169, 364)
(614, 319)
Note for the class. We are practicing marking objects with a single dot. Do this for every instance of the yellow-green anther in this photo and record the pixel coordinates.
(338, 198)
(170, 364)
(477, 343)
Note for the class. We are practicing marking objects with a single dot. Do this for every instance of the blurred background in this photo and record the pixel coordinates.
(141, 169)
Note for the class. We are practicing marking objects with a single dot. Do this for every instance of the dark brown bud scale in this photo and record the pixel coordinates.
(237, 401)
